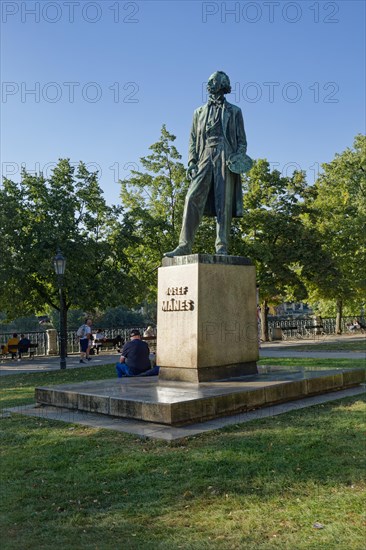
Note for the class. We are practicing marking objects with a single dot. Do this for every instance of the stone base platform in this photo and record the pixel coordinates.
(179, 403)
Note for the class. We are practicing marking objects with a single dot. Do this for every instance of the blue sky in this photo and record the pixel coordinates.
(106, 75)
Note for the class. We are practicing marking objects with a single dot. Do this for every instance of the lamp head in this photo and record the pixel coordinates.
(59, 263)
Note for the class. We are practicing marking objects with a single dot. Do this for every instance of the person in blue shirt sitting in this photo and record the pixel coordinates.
(134, 360)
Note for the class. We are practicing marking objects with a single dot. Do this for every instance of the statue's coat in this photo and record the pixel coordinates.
(235, 144)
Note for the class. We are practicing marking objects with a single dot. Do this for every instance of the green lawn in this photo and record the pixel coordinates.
(260, 485)
(18, 389)
(312, 363)
(323, 345)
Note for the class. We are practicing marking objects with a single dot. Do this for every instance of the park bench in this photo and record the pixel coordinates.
(314, 330)
(357, 330)
(107, 343)
(9, 350)
(117, 343)
(31, 350)
(287, 332)
(13, 351)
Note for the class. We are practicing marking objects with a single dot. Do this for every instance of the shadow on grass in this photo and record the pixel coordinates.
(64, 480)
(310, 444)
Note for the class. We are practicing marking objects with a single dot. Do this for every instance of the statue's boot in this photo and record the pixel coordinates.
(179, 251)
(221, 251)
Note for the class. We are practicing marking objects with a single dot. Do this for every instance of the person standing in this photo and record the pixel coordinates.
(135, 356)
(84, 333)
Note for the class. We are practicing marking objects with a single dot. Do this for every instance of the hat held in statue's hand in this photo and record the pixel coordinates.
(135, 332)
(239, 163)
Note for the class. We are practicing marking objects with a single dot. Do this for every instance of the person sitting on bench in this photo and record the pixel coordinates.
(355, 325)
(23, 345)
(99, 337)
(12, 345)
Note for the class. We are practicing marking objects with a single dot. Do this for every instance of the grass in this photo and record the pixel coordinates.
(18, 389)
(253, 486)
(359, 345)
(312, 363)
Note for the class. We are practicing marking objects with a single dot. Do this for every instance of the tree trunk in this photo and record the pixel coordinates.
(264, 322)
(338, 327)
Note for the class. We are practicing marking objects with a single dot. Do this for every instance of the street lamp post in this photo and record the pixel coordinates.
(59, 263)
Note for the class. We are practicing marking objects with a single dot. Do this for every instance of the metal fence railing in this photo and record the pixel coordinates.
(290, 328)
(41, 339)
(73, 340)
(307, 327)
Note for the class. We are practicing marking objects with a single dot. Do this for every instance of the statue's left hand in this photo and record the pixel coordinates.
(192, 170)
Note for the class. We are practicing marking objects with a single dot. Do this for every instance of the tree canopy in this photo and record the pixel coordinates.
(65, 211)
(307, 242)
(336, 208)
(153, 202)
(272, 234)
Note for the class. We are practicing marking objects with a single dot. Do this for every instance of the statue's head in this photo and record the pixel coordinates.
(219, 82)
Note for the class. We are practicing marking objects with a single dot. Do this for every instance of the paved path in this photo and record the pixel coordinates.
(39, 364)
(269, 349)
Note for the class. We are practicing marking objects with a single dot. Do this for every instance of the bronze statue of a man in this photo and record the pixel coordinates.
(217, 157)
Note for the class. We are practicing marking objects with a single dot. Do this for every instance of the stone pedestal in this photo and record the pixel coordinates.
(276, 334)
(51, 342)
(207, 318)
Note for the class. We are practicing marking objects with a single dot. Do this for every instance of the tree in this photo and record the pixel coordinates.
(153, 200)
(336, 208)
(120, 316)
(271, 233)
(65, 211)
